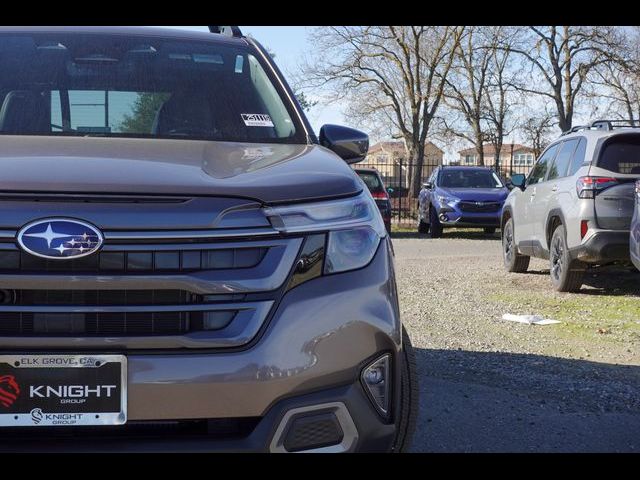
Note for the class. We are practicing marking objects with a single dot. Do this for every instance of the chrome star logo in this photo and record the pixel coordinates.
(49, 235)
(59, 238)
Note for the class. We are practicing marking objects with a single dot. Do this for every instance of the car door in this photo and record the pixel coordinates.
(550, 192)
(523, 207)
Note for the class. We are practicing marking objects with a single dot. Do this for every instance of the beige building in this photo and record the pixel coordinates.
(523, 157)
(391, 158)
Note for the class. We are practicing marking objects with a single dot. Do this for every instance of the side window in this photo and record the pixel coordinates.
(540, 169)
(578, 157)
(559, 166)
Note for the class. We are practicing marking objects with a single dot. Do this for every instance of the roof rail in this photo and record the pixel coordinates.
(574, 129)
(230, 31)
(605, 125)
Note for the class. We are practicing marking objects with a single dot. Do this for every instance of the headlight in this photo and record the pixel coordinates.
(447, 200)
(354, 224)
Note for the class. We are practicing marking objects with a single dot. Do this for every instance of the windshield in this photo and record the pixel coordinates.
(371, 180)
(115, 85)
(461, 178)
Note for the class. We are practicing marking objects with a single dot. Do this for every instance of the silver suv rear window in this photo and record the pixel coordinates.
(621, 154)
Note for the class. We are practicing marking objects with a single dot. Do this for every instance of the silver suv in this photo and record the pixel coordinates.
(576, 205)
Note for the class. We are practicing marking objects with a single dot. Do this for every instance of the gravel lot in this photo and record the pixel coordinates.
(488, 385)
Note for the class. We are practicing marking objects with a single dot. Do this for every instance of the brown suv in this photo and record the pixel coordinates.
(183, 264)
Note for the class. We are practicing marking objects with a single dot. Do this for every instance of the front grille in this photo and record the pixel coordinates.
(186, 292)
(120, 324)
(110, 323)
(135, 262)
(480, 207)
(99, 297)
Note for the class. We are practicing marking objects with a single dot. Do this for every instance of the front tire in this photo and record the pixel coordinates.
(513, 261)
(566, 275)
(423, 227)
(434, 224)
(409, 397)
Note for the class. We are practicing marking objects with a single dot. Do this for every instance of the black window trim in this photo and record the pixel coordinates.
(577, 140)
(584, 160)
(544, 179)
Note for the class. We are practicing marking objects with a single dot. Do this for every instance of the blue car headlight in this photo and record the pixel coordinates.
(447, 200)
(354, 225)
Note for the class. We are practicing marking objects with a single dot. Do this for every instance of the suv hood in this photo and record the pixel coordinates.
(269, 173)
(478, 194)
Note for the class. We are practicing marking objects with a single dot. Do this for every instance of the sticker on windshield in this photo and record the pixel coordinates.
(256, 120)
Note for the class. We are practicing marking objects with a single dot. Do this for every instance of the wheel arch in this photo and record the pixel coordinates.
(555, 217)
(507, 213)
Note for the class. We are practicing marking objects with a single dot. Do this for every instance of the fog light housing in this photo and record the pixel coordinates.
(376, 379)
(217, 320)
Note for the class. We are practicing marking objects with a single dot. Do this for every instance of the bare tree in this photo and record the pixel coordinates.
(619, 88)
(390, 76)
(480, 89)
(616, 84)
(564, 57)
(466, 88)
(536, 129)
(499, 101)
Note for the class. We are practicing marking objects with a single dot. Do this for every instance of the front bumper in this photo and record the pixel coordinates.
(369, 433)
(312, 351)
(603, 247)
(451, 217)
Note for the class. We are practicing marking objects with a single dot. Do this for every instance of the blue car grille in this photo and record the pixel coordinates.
(480, 207)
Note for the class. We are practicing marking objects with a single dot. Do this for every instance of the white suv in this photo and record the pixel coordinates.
(575, 207)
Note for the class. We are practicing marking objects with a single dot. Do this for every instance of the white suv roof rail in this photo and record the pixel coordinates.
(606, 125)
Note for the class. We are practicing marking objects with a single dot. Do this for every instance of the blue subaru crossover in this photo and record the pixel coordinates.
(461, 197)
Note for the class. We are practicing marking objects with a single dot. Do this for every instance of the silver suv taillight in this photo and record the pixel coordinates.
(588, 187)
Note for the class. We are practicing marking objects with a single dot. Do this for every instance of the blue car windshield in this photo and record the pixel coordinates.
(461, 178)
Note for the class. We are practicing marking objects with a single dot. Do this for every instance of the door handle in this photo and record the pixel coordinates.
(555, 188)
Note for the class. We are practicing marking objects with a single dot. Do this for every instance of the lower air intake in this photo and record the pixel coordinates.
(313, 431)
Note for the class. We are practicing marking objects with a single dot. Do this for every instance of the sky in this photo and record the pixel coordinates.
(289, 45)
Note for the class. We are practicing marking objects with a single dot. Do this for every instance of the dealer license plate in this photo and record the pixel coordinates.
(62, 390)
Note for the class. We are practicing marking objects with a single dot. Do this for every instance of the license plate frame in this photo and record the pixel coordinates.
(58, 390)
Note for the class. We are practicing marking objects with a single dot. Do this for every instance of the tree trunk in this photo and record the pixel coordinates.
(416, 159)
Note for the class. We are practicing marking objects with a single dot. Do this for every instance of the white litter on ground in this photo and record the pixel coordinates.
(529, 319)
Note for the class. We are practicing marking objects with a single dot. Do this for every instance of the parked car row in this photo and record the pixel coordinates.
(576, 207)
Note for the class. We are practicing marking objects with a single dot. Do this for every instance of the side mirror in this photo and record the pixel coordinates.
(427, 185)
(518, 180)
(348, 143)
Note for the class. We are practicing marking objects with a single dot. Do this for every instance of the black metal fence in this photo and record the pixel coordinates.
(396, 173)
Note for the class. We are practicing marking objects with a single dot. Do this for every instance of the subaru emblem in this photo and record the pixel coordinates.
(59, 238)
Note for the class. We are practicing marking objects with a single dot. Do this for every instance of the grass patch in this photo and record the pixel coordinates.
(611, 317)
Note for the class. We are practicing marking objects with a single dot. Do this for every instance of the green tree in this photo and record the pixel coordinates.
(144, 112)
